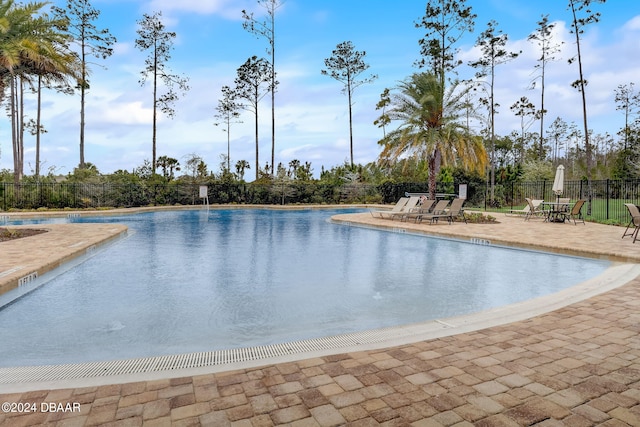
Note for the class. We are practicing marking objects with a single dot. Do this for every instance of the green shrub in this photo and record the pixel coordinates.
(479, 218)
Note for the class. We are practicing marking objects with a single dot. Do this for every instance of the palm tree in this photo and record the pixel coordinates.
(430, 128)
(168, 166)
(241, 166)
(30, 47)
(53, 69)
(15, 45)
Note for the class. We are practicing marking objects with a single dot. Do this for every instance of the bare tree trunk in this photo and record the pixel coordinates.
(581, 86)
(258, 147)
(542, 113)
(155, 110)
(273, 90)
(38, 114)
(20, 121)
(587, 143)
(17, 129)
(228, 145)
(82, 122)
(350, 126)
(434, 169)
(493, 139)
(14, 133)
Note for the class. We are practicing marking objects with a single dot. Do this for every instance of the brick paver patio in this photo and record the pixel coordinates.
(575, 366)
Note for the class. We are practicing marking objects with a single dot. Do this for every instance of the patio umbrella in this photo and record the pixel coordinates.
(558, 182)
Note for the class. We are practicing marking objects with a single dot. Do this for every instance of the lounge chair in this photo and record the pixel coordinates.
(635, 221)
(453, 211)
(575, 212)
(517, 212)
(534, 208)
(438, 209)
(411, 206)
(424, 207)
(397, 208)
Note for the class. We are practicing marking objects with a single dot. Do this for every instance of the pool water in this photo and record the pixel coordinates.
(187, 281)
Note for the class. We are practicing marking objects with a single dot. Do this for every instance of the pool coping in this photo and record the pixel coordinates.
(31, 378)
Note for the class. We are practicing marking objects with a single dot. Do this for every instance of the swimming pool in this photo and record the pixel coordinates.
(187, 281)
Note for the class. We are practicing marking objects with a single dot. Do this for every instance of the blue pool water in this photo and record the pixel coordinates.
(188, 281)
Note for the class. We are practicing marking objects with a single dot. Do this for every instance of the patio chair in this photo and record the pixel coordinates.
(635, 221)
(455, 210)
(517, 212)
(564, 203)
(438, 208)
(534, 208)
(423, 208)
(575, 212)
(425, 205)
(411, 206)
(398, 206)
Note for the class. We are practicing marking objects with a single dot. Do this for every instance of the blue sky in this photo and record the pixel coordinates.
(311, 111)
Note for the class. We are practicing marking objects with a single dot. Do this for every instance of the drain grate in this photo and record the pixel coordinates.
(195, 360)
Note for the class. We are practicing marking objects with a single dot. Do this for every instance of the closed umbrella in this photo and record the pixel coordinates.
(558, 182)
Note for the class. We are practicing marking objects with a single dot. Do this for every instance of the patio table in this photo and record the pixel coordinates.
(555, 211)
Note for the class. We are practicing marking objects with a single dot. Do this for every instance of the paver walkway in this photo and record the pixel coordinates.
(576, 366)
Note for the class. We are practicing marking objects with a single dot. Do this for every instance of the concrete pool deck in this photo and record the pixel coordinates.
(575, 365)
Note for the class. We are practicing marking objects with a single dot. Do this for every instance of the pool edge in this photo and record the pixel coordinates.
(27, 378)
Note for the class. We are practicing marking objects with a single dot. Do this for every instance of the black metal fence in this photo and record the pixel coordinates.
(605, 198)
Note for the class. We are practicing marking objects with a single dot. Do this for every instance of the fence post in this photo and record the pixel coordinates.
(513, 193)
(580, 189)
(607, 199)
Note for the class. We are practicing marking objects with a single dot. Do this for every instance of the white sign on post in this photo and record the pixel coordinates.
(203, 191)
(462, 191)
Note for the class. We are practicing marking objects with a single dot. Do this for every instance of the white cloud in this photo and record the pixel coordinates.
(305, 151)
(632, 25)
(127, 113)
(607, 62)
(229, 9)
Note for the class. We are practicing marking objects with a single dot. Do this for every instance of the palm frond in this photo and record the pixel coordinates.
(429, 125)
